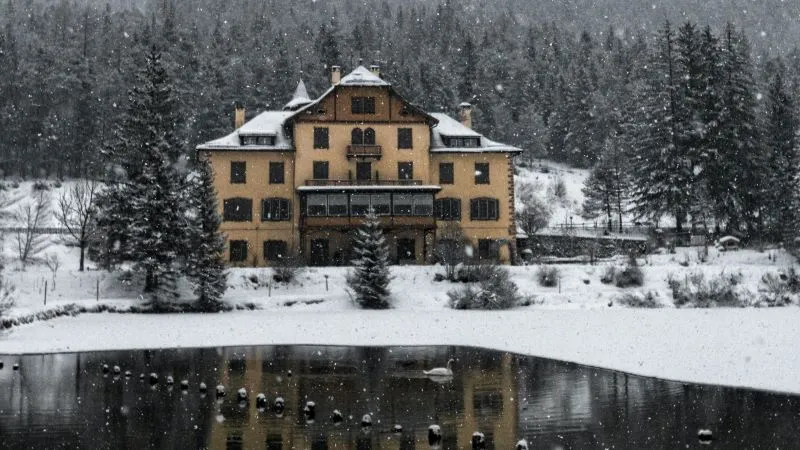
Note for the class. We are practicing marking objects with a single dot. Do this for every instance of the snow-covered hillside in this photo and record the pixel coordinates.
(543, 177)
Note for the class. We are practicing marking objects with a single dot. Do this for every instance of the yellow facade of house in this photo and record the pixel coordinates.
(298, 182)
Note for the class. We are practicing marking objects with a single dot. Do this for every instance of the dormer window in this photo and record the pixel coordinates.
(257, 140)
(461, 142)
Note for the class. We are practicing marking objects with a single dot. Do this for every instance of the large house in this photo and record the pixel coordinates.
(299, 181)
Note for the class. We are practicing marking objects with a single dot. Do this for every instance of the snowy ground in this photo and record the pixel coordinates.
(740, 347)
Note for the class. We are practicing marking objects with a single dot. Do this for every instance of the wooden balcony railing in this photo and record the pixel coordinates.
(364, 182)
(364, 151)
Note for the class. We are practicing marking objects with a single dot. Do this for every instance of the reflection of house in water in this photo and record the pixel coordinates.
(386, 383)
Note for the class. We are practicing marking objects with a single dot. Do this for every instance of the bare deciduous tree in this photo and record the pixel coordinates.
(53, 263)
(76, 213)
(450, 248)
(30, 217)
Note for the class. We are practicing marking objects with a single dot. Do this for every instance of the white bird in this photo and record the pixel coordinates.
(441, 371)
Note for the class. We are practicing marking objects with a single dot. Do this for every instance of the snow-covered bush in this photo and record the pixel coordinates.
(608, 275)
(6, 296)
(647, 299)
(494, 292)
(476, 273)
(285, 270)
(631, 275)
(724, 290)
(369, 279)
(779, 289)
(548, 276)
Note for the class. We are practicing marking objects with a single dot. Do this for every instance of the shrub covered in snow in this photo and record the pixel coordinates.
(694, 290)
(285, 270)
(631, 275)
(647, 299)
(494, 292)
(548, 276)
(608, 275)
(779, 289)
(6, 295)
(369, 279)
(476, 273)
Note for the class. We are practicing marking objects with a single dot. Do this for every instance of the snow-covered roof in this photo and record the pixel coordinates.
(362, 76)
(300, 98)
(450, 127)
(268, 123)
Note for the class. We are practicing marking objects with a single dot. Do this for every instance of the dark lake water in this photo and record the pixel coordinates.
(66, 401)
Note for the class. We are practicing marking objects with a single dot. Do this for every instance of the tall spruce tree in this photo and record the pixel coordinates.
(662, 174)
(142, 209)
(780, 139)
(606, 189)
(370, 276)
(204, 264)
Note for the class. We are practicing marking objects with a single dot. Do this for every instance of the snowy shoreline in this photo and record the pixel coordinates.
(751, 348)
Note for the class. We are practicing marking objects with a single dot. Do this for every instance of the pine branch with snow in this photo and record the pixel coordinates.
(369, 279)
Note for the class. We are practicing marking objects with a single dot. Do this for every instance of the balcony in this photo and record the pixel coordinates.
(372, 182)
(364, 151)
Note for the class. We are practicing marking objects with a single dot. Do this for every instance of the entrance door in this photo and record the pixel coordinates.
(319, 252)
(406, 251)
(363, 171)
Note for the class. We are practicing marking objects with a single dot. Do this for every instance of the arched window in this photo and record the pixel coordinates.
(357, 136)
(369, 136)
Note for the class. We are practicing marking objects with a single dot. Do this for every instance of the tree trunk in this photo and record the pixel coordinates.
(83, 250)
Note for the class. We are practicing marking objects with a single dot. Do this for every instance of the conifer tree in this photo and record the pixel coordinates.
(204, 265)
(370, 277)
(780, 137)
(141, 213)
(606, 189)
(661, 174)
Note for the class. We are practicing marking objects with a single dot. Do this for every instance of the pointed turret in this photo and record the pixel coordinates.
(299, 99)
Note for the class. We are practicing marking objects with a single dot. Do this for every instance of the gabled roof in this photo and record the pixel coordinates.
(449, 127)
(362, 76)
(268, 123)
(300, 98)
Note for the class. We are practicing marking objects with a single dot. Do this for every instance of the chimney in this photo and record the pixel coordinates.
(376, 70)
(336, 74)
(465, 114)
(238, 116)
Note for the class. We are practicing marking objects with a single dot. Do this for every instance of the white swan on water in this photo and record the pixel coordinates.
(441, 371)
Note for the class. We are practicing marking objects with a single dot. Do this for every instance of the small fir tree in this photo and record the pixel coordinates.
(205, 266)
(370, 276)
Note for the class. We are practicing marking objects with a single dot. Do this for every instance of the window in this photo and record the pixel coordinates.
(446, 174)
(238, 172)
(403, 204)
(484, 209)
(237, 210)
(365, 137)
(357, 136)
(238, 251)
(481, 173)
(257, 140)
(321, 170)
(317, 205)
(488, 249)
(363, 170)
(359, 204)
(447, 209)
(423, 204)
(461, 142)
(274, 250)
(404, 139)
(362, 105)
(275, 209)
(405, 170)
(276, 173)
(381, 204)
(337, 204)
(320, 137)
